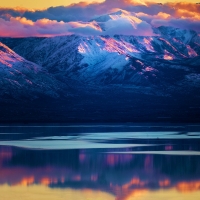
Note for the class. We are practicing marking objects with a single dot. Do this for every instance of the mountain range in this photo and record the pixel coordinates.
(124, 56)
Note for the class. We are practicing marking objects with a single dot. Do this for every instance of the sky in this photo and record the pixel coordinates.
(47, 18)
(42, 4)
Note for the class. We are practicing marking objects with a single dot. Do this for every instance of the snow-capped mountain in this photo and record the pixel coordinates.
(22, 78)
(105, 59)
(128, 67)
(123, 23)
(163, 57)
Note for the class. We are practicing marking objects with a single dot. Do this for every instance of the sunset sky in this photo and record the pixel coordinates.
(19, 18)
(38, 4)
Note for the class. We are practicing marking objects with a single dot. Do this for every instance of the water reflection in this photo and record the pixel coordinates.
(115, 173)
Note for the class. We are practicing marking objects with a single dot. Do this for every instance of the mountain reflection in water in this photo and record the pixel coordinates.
(116, 173)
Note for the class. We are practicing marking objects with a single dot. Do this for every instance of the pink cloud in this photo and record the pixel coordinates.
(74, 19)
(21, 27)
(124, 24)
(85, 28)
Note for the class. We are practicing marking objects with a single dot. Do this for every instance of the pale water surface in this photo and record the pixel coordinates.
(101, 162)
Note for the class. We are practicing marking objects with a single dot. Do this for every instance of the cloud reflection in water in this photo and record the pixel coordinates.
(110, 166)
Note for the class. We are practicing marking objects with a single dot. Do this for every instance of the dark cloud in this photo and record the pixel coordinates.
(84, 11)
(7, 13)
(61, 13)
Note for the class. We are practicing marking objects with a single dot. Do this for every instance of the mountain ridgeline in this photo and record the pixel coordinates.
(102, 78)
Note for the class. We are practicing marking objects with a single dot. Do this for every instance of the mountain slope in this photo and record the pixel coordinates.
(165, 57)
(22, 78)
(150, 63)
(112, 78)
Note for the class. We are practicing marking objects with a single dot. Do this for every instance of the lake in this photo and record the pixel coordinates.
(100, 161)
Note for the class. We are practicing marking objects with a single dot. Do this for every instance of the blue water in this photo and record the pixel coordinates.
(108, 161)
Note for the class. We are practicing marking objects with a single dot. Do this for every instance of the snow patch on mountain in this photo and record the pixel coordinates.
(108, 52)
(123, 23)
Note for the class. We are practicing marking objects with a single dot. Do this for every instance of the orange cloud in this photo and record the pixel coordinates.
(163, 15)
(185, 14)
(65, 20)
(93, 25)
(160, 15)
(185, 10)
(22, 27)
(185, 6)
(24, 21)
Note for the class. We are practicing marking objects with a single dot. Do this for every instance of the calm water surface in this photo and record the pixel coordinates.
(101, 162)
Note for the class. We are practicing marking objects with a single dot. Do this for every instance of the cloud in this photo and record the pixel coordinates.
(81, 11)
(126, 25)
(148, 18)
(84, 11)
(7, 13)
(74, 19)
(85, 31)
(21, 27)
(93, 25)
(179, 18)
(178, 23)
(87, 28)
(120, 23)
